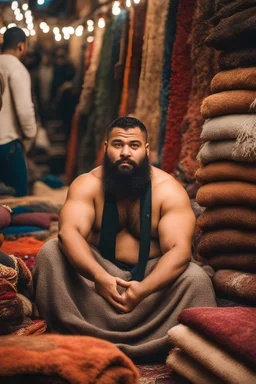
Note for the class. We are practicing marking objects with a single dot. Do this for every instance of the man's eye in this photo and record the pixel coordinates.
(117, 145)
(135, 146)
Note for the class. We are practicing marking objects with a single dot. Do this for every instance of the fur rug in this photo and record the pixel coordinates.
(237, 286)
(209, 355)
(232, 8)
(229, 127)
(147, 105)
(245, 57)
(233, 329)
(229, 102)
(170, 36)
(234, 32)
(227, 193)
(226, 240)
(228, 217)
(75, 359)
(226, 171)
(239, 78)
(181, 77)
(202, 59)
(244, 262)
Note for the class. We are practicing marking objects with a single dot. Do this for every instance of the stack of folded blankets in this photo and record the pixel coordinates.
(214, 345)
(15, 307)
(228, 156)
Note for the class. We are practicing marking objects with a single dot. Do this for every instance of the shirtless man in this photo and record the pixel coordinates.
(125, 175)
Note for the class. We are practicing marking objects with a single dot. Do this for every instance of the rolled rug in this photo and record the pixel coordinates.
(228, 102)
(236, 31)
(227, 193)
(228, 127)
(231, 328)
(5, 217)
(228, 217)
(238, 78)
(226, 241)
(240, 58)
(39, 219)
(189, 368)
(226, 171)
(232, 8)
(227, 150)
(207, 353)
(245, 262)
(234, 285)
(76, 359)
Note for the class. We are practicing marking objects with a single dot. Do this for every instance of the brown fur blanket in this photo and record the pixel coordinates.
(234, 32)
(67, 359)
(238, 78)
(237, 286)
(229, 102)
(228, 217)
(245, 262)
(226, 240)
(227, 193)
(245, 57)
(231, 8)
(226, 171)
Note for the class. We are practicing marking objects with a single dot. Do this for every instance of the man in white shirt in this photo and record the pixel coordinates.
(17, 117)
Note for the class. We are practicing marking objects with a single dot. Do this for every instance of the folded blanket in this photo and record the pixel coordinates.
(236, 31)
(234, 285)
(230, 9)
(11, 312)
(227, 193)
(226, 171)
(9, 274)
(239, 78)
(226, 240)
(29, 327)
(228, 127)
(189, 368)
(76, 359)
(228, 217)
(238, 261)
(42, 219)
(205, 352)
(229, 102)
(242, 58)
(231, 328)
(227, 150)
(22, 247)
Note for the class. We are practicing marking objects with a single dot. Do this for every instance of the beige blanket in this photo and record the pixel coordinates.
(71, 305)
(210, 356)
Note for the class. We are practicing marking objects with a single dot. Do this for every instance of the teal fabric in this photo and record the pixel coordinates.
(20, 229)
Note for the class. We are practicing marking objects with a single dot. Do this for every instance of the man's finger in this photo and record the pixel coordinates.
(119, 307)
(118, 298)
(123, 283)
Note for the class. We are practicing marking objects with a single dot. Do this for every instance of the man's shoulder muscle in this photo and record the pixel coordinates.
(85, 185)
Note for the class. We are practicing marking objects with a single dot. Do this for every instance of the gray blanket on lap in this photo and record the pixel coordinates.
(71, 305)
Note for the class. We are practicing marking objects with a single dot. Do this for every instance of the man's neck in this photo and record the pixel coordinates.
(10, 52)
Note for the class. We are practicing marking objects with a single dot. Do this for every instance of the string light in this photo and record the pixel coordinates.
(58, 37)
(17, 12)
(42, 25)
(25, 7)
(90, 39)
(128, 3)
(101, 22)
(116, 8)
(46, 29)
(66, 36)
(11, 25)
(14, 5)
(30, 26)
(28, 13)
(3, 30)
(32, 32)
(29, 19)
(80, 29)
(25, 30)
(136, 1)
(71, 30)
(56, 30)
(40, 2)
(19, 17)
(90, 22)
(90, 28)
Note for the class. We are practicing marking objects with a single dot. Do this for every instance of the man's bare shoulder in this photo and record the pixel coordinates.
(167, 188)
(87, 184)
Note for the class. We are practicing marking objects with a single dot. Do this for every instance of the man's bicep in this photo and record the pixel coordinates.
(78, 214)
(176, 228)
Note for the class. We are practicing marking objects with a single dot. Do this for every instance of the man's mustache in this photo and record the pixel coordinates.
(128, 161)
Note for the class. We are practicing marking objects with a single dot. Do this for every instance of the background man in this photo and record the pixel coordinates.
(121, 270)
(17, 117)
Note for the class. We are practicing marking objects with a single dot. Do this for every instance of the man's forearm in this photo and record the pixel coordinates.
(78, 252)
(170, 266)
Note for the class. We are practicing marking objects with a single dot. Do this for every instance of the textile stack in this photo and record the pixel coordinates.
(228, 156)
(214, 345)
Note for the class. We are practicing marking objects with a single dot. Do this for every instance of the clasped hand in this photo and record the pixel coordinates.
(125, 302)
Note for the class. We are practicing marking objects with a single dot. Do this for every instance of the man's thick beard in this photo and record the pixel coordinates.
(126, 183)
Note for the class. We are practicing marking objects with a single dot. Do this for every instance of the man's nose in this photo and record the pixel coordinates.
(125, 151)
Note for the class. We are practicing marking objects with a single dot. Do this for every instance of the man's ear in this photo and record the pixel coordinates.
(147, 146)
(20, 46)
(105, 146)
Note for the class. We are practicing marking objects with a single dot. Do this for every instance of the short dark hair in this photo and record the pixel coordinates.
(126, 122)
(12, 37)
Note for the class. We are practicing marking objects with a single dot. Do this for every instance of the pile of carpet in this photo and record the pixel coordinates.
(214, 345)
(228, 158)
